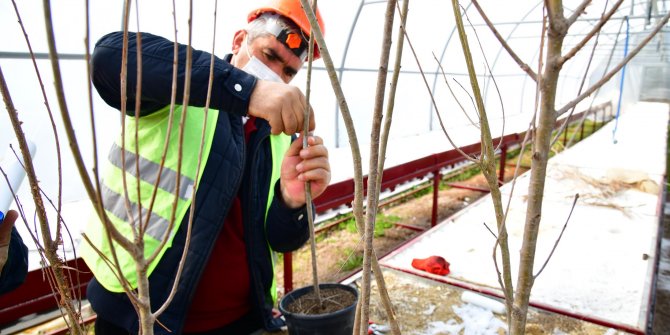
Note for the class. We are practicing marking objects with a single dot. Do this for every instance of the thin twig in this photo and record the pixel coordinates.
(564, 126)
(49, 113)
(661, 23)
(490, 231)
(346, 116)
(526, 139)
(308, 184)
(373, 197)
(189, 228)
(472, 100)
(142, 227)
(493, 78)
(432, 98)
(574, 203)
(67, 122)
(50, 247)
(595, 30)
(487, 162)
(453, 95)
(344, 109)
(166, 146)
(379, 277)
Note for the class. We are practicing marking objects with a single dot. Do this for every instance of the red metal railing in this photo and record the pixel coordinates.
(35, 295)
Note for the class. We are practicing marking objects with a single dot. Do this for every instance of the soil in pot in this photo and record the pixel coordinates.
(334, 299)
(335, 316)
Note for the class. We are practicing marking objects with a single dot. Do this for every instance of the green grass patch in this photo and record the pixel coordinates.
(354, 260)
(383, 222)
(465, 174)
(419, 194)
(320, 237)
(349, 225)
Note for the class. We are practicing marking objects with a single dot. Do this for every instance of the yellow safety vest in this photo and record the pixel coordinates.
(125, 160)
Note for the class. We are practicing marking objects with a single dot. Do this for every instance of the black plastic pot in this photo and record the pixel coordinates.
(336, 323)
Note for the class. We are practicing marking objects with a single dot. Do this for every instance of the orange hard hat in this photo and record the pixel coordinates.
(291, 9)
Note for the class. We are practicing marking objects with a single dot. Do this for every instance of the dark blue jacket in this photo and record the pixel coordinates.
(233, 166)
(15, 269)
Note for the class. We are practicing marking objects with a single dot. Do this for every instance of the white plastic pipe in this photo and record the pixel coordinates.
(15, 174)
(493, 305)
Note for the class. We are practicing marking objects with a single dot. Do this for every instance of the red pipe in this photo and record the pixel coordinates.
(471, 188)
(288, 272)
(410, 227)
(436, 193)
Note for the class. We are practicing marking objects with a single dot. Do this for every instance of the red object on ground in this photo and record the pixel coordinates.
(433, 264)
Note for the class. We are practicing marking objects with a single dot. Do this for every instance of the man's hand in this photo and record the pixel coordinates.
(282, 105)
(301, 165)
(5, 235)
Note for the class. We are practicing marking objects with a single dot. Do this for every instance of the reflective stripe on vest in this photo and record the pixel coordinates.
(148, 169)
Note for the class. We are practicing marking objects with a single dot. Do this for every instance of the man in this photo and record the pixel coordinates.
(13, 254)
(250, 197)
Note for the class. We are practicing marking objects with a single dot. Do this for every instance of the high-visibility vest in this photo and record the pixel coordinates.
(122, 205)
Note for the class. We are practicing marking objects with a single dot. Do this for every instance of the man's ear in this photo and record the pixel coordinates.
(238, 39)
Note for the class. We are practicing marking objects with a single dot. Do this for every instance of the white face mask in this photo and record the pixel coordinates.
(259, 69)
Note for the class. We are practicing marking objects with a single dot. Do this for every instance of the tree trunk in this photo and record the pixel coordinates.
(146, 318)
(540, 157)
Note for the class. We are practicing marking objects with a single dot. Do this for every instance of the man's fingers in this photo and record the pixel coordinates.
(314, 140)
(11, 216)
(313, 164)
(6, 227)
(283, 106)
(276, 124)
(290, 119)
(314, 151)
(315, 175)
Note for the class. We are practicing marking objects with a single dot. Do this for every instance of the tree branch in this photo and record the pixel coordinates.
(487, 161)
(493, 78)
(432, 98)
(472, 122)
(388, 118)
(604, 19)
(189, 228)
(578, 11)
(581, 87)
(504, 44)
(348, 122)
(373, 195)
(308, 184)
